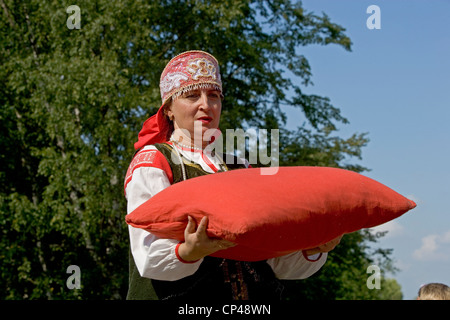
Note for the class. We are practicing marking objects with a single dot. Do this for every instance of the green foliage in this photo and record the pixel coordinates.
(73, 101)
(345, 274)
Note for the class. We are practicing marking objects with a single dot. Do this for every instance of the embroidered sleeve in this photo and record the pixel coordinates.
(155, 258)
(148, 157)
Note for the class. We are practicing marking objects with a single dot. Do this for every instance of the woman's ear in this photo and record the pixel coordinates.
(168, 110)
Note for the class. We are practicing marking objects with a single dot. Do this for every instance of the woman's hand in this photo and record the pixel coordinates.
(326, 247)
(197, 244)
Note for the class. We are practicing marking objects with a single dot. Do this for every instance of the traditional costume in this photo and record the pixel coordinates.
(156, 269)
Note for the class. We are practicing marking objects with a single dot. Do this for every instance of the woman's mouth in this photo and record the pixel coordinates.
(205, 120)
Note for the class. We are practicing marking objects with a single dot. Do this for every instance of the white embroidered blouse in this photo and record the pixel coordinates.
(155, 258)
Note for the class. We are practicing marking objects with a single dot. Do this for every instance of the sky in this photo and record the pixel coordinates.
(395, 85)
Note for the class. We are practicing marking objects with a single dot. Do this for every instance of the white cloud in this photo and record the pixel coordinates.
(434, 247)
(446, 237)
(393, 228)
(414, 198)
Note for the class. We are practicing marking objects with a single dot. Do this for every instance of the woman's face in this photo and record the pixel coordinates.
(196, 110)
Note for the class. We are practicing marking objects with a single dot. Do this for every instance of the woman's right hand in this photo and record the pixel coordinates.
(197, 244)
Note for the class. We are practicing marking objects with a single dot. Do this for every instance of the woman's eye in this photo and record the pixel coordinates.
(214, 95)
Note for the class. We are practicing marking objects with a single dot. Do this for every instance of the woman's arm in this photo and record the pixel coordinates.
(155, 258)
(302, 264)
(297, 265)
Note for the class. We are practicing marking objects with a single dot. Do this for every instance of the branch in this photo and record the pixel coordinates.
(5, 9)
(32, 38)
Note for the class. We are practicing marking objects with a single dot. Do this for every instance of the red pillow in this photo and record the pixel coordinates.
(271, 215)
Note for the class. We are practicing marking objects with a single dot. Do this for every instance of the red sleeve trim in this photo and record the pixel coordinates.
(310, 260)
(178, 255)
(148, 158)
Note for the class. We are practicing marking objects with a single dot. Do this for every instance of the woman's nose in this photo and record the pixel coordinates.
(204, 101)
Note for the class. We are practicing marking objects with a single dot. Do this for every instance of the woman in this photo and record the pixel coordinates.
(172, 147)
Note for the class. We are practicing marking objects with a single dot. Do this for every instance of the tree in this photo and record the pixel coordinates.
(73, 100)
(346, 274)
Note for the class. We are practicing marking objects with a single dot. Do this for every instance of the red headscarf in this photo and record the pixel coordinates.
(155, 130)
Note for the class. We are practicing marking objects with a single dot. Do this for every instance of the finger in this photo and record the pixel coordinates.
(313, 251)
(335, 241)
(224, 244)
(227, 244)
(190, 228)
(327, 247)
(202, 226)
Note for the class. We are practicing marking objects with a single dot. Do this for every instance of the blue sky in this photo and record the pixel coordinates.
(395, 85)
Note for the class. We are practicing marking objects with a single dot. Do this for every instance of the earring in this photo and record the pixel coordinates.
(171, 118)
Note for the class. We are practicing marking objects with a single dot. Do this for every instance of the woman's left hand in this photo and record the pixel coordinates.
(326, 247)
